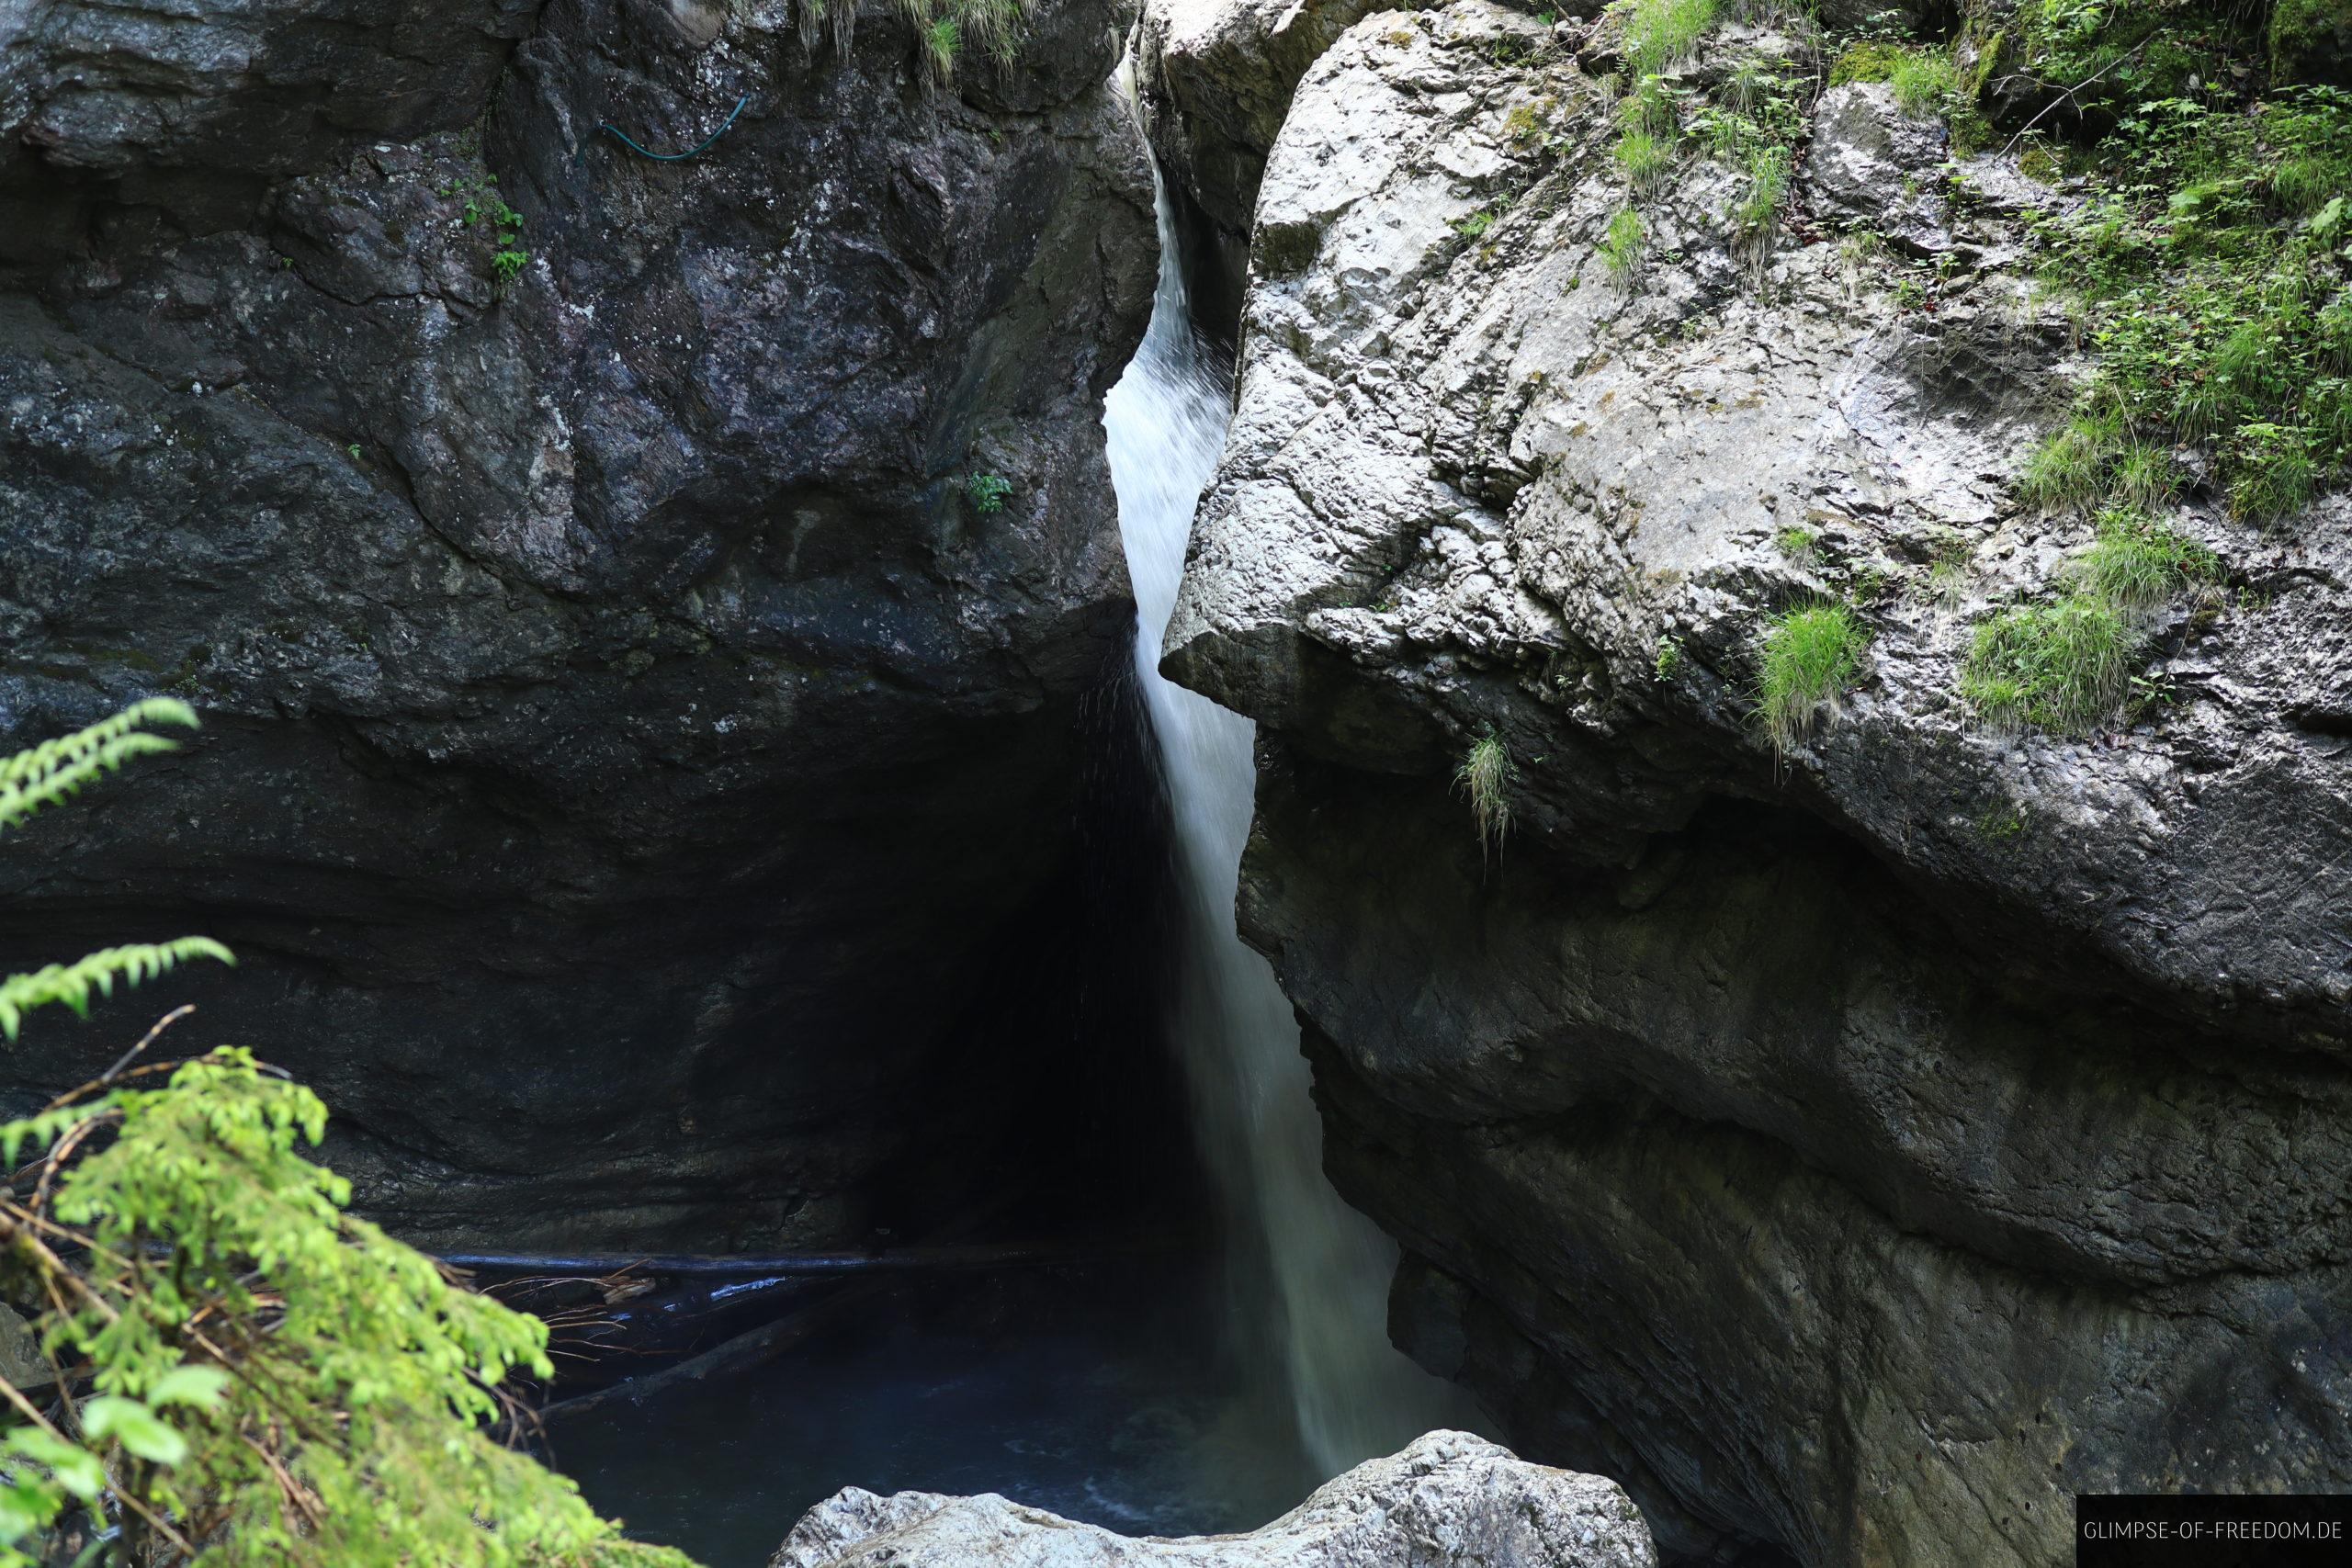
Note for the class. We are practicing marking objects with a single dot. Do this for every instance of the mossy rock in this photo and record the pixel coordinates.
(2310, 40)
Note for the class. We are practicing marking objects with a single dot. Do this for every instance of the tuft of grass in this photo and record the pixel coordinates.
(1812, 654)
(1664, 33)
(1646, 157)
(2069, 467)
(2065, 666)
(1484, 775)
(2271, 471)
(941, 40)
(1799, 543)
(1621, 245)
(1757, 212)
(1925, 82)
(2138, 562)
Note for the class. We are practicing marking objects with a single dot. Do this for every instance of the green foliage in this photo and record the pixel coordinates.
(1646, 157)
(1669, 660)
(2065, 666)
(243, 1376)
(945, 28)
(985, 493)
(1925, 81)
(1484, 775)
(2210, 261)
(1812, 654)
(1757, 213)
(1797, 542)
(72, 983)
(1660, 34)
(1621, 245)
(55, 771)
(2069, 467)
(2139, 561)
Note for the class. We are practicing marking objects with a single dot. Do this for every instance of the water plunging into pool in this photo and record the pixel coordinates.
(1155, 1393)
(1311, 1274)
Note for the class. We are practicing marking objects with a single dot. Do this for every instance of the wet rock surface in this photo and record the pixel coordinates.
(1857, 1151)
(648, 794)
(1449, 1498)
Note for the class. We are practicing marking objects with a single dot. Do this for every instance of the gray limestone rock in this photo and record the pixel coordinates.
(1857, 1150)
(1449, 1500)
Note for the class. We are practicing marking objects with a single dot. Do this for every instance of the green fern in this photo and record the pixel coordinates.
(54, 771)
(72, 983)
(49, 775)
(257, 1379)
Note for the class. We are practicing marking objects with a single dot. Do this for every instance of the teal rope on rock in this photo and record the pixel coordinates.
(644, 151)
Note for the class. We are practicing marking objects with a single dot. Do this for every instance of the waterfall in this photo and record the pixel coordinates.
(1315, 1272)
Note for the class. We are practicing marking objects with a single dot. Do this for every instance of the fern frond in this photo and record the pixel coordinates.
(53, 771)
(72, 983)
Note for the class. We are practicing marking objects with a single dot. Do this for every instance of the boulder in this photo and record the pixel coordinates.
(1449, 1500)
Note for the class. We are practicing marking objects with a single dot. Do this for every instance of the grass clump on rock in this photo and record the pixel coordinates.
(2065, 666)
(1812, 654)
(1484, 775)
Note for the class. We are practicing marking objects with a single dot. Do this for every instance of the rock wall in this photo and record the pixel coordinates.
(1857, 1151)
(649, 795)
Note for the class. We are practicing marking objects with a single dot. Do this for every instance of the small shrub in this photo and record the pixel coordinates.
(1798, 543)
(985, 493)
(1485, 776)
(1669, 661)
(2065, 666)
(1811, 655)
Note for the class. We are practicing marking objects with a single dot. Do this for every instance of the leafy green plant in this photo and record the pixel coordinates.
(1669, 661)
(1798, 543)
(985, 493)
(1484, 775)
(1812, 653)
(240, 1375)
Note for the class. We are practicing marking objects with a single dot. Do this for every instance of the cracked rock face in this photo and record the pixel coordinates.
(1448, 1499)
(632, 762)
(1857, 1151)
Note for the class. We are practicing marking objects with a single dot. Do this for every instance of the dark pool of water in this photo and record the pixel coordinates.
(1106, 1393)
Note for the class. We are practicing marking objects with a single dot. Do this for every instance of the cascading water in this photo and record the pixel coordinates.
(1317, 1270)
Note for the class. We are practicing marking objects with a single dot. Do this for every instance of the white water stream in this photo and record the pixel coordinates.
(1312, 1272)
